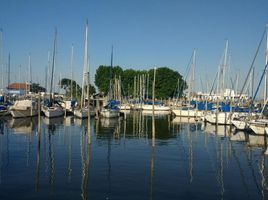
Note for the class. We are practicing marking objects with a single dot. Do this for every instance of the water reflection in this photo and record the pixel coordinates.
(123, 161)
(23, 125)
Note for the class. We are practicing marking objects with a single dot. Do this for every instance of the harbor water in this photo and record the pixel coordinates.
(190, 160)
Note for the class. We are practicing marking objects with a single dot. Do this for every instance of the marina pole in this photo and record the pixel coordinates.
(65, 111)
(97, 108)
(88, 112)
(153, 139)
(153, 122)
(39, 117)
(38, 145)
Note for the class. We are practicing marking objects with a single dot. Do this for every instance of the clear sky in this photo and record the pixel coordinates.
(145, 33)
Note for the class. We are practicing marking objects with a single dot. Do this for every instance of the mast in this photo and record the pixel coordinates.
(53, 65)
(1, 59)
(30, 73)
(72, 57)
(266, 60)
(48, 70)
(111, 74)
(8, 71)
(224, 68)
(85, 64)
(193, 75)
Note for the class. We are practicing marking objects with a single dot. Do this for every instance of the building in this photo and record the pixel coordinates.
(18, 88)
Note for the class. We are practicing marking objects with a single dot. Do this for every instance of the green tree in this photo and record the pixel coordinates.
(104, 75)
(128, 81)
(35, 87)
(76, 89)
(166, 82)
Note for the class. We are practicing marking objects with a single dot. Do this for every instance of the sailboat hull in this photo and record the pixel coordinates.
(53, 112)
(109, 113)
(83, 113)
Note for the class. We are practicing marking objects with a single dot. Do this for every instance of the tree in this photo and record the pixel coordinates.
(35, 87)
(104, 75)
(166, 81)
(76, 89)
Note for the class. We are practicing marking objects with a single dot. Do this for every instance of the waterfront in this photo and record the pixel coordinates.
(190, 160)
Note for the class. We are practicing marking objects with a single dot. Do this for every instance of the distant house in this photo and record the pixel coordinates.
(18, 88)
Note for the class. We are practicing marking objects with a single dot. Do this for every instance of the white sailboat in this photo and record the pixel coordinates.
(157, 107)
(52, 110)
(259, 125)
(83, 110)
(111, 109)
(189, 111)
(217, 116)
(24, 108)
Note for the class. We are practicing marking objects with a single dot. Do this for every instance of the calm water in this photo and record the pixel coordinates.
(189, 160)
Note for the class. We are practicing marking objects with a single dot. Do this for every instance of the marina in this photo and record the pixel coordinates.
(190, 159)
(113, 100)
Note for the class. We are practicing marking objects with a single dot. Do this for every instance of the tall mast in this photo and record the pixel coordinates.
(224, 67)
(48, 71)
(30, 72)
(72, 58)
(85, 70)
(111, 74)
(8, 70)
(53, 66)
(266, 60)
(1, 59)
(193, 75)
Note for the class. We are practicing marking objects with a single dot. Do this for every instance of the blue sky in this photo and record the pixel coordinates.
(145, 33)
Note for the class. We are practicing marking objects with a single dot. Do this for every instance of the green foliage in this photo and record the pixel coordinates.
(166, 81)
(76, 89)
(35, 87)
(104, 75)
(128, 81)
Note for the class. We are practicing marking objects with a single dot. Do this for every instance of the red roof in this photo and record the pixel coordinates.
(18, 86)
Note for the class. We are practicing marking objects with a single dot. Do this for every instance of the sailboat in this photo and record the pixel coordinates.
(111, 109)
(189, 110)
(24, 108)
(223, 114)
(51, 109)
(255, 121)
(82, 112)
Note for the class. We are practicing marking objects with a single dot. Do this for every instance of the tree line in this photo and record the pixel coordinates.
(133, 83)
(169, 83)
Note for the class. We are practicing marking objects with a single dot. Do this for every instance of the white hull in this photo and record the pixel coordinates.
(24, 113)
(156, 112)
(83, 113)
(223, 118)
(156, 107)
(109, 113)
(24, 108)
(136, 106)
(124, 107)
(187, 113)
(53, 111)
(258, 126)
(240, 124)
